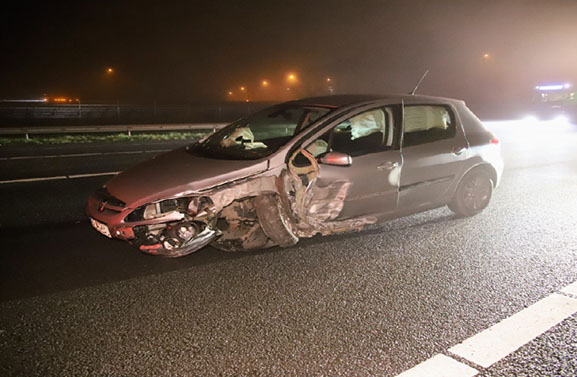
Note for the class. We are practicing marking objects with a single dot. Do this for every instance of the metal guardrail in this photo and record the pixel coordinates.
(128, 129)
(91, 114)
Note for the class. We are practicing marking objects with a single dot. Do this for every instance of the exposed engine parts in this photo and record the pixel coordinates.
(173, 239)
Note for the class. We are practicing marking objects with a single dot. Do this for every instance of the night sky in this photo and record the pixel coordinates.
(199, 50)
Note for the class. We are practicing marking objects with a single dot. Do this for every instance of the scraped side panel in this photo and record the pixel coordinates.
(316, 207)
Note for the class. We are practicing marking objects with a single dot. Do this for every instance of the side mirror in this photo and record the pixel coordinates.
(336, 159)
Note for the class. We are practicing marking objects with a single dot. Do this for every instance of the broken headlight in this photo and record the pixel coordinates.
(157, 209)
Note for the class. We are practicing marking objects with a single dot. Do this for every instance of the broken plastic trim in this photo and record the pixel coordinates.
(196, 243)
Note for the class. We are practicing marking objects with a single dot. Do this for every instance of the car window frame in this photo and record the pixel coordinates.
(453, 114)
(313, 132)
(388, 110)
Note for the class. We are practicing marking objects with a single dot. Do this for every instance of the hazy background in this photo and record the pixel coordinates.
(199, 50)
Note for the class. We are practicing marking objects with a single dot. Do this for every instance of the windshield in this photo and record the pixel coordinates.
(260, 134)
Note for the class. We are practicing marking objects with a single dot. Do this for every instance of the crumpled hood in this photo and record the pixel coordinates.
(174, 172)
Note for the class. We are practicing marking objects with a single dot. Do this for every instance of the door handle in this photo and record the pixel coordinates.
(458, 150)
(389, 165)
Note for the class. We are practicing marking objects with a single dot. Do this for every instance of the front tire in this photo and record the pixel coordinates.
(473, 193)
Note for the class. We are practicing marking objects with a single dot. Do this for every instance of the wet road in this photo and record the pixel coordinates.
(376, 302)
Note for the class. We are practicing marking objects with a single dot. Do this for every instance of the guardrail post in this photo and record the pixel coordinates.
(27, 137)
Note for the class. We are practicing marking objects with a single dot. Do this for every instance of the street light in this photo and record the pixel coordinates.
(245, 91)
(486, 56)
(291, 77)
(264, 83)
(330, 87)
(113, 86)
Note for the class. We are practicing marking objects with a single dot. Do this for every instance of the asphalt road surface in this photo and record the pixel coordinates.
(393, 298)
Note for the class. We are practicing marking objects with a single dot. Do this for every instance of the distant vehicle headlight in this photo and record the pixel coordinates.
(561, 119)
(531, 118)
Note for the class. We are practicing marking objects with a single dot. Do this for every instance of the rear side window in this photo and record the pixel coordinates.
(426, 124)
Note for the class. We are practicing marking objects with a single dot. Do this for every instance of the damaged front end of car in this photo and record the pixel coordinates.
(274, 208)
(172, 227)
(226, 215)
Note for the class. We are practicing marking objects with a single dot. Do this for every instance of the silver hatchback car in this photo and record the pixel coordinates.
(312, 166)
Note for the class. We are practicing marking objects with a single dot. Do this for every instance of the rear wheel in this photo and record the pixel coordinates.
(473, 193)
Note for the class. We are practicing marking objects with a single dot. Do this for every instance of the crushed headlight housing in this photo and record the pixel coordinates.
(157, 209)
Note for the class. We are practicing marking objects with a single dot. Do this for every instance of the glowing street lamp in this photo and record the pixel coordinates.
(330, 88)
(291, 77)
(113, 86)
(486, 56)
(245, 91)
(264, 83)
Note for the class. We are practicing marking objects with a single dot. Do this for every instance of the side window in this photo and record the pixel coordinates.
(364, 133)
(427, 123)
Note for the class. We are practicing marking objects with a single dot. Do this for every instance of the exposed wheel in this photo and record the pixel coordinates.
(473, 193)
(240, 229)
(274, 221)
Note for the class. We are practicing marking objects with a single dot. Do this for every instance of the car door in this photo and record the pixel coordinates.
(369, 184)
(434, 148)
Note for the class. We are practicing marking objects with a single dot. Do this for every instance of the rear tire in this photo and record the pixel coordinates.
(473, 193)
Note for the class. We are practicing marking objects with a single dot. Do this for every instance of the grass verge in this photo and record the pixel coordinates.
(93, 138)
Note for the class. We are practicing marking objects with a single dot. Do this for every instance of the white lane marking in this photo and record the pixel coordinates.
(34, 179)
(57, 177)
(440, 366)
(499, 340)
(570, 289)
(81, 155)
(72, 176)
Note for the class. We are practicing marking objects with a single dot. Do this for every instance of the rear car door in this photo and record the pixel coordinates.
(434, 149)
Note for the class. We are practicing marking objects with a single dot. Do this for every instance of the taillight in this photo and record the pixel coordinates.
(495, 141)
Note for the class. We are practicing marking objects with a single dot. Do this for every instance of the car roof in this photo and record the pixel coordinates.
(343, 100)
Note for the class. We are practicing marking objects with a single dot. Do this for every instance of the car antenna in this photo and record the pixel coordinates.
(419, 83)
